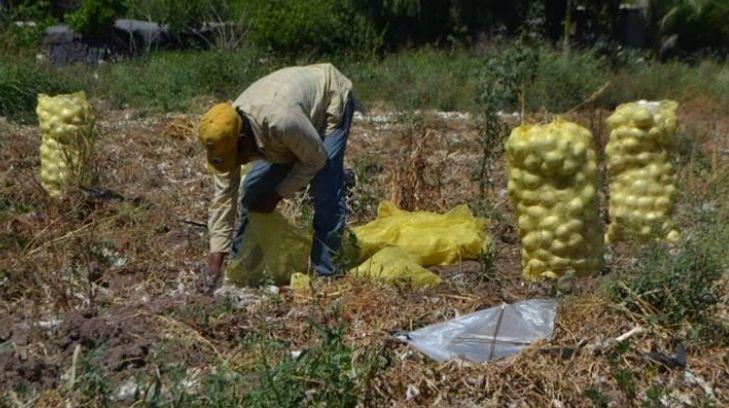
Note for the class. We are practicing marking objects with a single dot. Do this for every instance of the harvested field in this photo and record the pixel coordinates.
(102, 304)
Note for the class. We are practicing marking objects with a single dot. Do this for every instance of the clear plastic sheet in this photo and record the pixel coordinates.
(487, 335)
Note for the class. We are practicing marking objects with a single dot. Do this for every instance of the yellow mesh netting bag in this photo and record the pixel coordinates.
(273, 250)
(434, 239)
(66, 122)
(641, 177)
(553, 179)
(396, 266)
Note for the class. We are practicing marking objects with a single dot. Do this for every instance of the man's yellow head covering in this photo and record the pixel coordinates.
(219, 130)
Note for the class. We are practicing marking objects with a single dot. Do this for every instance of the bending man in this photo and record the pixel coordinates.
(294, 123)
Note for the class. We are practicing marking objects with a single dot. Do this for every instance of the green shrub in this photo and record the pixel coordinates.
(422, 79)
(328, 374)
(22, 81)
(418, 22)
(504, 74)
(291, 27)
(563, 81)
(652, 80)
(181, 15)
(169, 81)
(24, 40)
(679, 287)
(698, 25)
(94, 19)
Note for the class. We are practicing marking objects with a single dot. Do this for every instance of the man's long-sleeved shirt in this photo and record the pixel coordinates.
(289, 112)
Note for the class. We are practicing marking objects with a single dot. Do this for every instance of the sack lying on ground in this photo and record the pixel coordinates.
(273, 250)
(434, 239)
(395, 266)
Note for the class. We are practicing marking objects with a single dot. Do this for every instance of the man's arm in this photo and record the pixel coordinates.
(297, 132)
(221, 219)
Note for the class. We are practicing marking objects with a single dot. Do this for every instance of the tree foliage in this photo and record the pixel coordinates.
(695, 24)
(94, 19)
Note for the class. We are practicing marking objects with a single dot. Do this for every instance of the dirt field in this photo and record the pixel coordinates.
(101, 301)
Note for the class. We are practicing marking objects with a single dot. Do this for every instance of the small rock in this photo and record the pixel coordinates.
(50, 324)
(127, 390)
(411, 392)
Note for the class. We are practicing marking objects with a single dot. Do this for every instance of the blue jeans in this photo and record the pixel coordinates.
(327, 187)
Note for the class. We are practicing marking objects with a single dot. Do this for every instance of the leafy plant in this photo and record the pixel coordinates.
(691, 25)
(597, 397)
(94, 19)
(563, 81)
(348, 255)
(325, 375)
(91, 381)
(503, 80)
(21, 82)
(677, 287)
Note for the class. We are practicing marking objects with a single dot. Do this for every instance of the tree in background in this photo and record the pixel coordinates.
(184, 15)
(689, 26)
(416, 22)
(94, 19)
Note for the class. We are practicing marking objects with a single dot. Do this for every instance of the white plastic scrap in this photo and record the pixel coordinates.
(487, 335)
(240, 298)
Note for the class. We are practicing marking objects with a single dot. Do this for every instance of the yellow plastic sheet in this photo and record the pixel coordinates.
(398, 267)
(273, 250)
(434, 239)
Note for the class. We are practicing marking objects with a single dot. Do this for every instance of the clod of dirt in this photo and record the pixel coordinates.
(6, 328)
(90, 331)
(16, 370)
(114, 332)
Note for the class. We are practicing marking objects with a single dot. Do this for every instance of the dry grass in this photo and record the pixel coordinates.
(134, 262)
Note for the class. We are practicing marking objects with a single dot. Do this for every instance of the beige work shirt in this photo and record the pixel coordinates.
(290, 111)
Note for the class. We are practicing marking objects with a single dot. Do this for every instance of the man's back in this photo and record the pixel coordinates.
(320, 91)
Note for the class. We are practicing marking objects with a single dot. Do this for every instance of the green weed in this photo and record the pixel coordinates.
(564, 81)
(348, 255)
(325, 375)
(177, 79)
(597, 397)
(653, 397)
(91, 381)
(678, 287)
(22, 81)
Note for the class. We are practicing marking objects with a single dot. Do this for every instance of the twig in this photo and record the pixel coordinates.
(592, 97)
(74, 364)
(189, 329)
(496, 332)
(193, 223)
(629, 333)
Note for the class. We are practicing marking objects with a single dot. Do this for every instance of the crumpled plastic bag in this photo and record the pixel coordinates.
(395, 266)
(435, 239)
(273, 250)
(487, 335)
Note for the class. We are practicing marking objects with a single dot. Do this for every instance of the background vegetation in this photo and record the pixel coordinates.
(404, 52)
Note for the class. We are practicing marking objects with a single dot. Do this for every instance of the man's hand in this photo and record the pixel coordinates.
(215, 266)
(265, 202)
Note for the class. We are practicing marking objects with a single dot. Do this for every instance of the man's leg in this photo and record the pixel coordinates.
(262, 177)
(330, 208)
